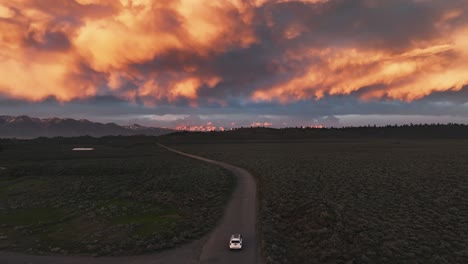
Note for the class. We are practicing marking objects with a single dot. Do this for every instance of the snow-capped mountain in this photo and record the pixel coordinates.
(29, 127)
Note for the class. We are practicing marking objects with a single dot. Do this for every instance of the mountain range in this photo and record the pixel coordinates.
(30, 127)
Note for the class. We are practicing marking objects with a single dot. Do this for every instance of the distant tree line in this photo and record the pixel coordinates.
(433, 130)
(411, 131)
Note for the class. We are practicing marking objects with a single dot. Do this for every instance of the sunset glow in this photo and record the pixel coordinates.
(198, 53)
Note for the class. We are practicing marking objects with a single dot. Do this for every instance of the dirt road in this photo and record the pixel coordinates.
(239, 217)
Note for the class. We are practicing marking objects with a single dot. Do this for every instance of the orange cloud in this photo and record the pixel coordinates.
(406, 75)
(260, 124)
(153, 51)
(134, 32)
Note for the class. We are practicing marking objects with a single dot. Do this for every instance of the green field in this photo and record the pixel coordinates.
(355, 201)
(128, 196)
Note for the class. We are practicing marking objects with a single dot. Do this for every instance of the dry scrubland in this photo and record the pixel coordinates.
(357, 201)
(129, 196)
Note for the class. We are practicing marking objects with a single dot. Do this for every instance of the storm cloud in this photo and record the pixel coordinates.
(302, 61)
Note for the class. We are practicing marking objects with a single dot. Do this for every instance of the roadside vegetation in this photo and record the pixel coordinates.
(126, 197)
(355, 200)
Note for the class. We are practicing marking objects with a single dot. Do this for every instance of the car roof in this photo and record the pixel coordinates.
(236, 236)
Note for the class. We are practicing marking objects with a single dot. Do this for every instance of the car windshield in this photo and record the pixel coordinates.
(234, 241)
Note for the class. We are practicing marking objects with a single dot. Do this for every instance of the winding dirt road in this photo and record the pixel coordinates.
(239, 217)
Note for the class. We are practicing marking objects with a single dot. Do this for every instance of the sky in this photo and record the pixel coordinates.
(201, 65)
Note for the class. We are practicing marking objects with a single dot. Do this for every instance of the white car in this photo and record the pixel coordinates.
(235, 242)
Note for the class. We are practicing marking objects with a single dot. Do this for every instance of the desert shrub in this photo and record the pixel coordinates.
(357, 201)
(124, 198)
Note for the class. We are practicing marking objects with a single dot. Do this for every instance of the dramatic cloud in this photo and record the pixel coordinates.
(229, 54)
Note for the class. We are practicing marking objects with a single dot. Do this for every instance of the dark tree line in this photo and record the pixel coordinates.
(451, 130)
(410, 131)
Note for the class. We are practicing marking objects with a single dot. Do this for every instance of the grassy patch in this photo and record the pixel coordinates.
(117, 202)
(30, 216)
(70, 234)
(150, 223)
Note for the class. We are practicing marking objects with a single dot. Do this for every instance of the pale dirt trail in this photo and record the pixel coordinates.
(239, 217)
